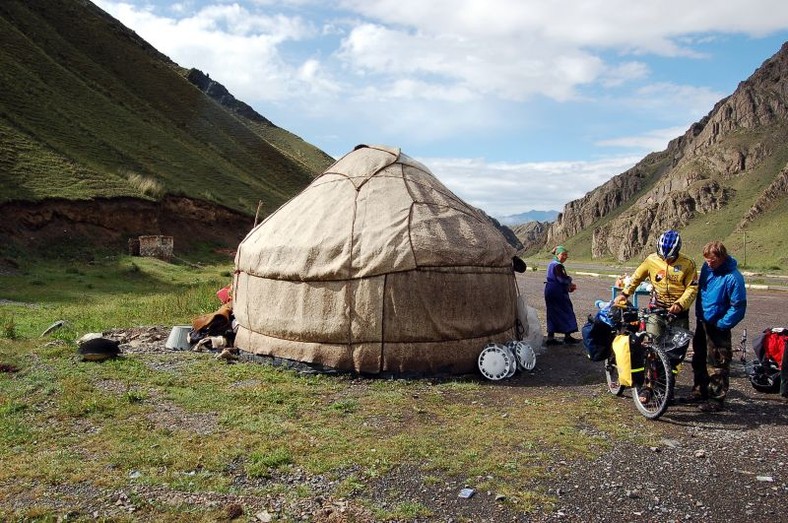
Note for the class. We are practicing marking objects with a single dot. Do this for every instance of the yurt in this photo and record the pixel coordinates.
(375, 268)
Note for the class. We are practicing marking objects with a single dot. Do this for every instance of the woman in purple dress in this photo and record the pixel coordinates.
(560, 312)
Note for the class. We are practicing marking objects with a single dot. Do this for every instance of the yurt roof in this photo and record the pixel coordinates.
(374, 211)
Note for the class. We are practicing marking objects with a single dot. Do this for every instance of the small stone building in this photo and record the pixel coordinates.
(156, 246)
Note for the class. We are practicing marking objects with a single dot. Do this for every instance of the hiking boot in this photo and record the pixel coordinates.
(569, 340)
(710, 406)
(693, 398)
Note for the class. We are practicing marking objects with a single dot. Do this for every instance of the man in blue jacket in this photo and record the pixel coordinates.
(721, 303)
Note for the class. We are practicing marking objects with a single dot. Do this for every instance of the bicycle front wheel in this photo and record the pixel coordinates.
(611, 375)
(652, 395)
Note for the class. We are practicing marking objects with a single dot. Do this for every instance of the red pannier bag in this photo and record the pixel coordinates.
(769, 373)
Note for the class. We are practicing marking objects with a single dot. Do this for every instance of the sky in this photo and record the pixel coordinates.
(515, 105)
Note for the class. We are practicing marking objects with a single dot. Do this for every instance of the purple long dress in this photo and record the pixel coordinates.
(560, 312)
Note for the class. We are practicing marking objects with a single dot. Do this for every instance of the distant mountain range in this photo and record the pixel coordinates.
(530, 216)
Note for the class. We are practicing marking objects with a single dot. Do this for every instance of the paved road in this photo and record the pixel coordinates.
(754, 279)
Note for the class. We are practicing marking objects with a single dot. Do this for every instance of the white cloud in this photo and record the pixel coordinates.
(312, 74)
(516, 49)
(623, 73)
(511, 50)
(666, 95)
(653, 140)
(654, 27)
(502, 188)
(237, 47)
(418, 73)
(509, 67)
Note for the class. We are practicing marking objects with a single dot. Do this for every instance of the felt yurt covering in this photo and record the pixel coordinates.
(376, 268)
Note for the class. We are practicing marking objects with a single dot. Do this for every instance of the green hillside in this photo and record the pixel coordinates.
(91, 110)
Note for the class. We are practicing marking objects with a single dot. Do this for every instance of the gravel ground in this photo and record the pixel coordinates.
(729, 465)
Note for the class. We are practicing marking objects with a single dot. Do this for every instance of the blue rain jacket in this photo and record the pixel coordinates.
(722, 297)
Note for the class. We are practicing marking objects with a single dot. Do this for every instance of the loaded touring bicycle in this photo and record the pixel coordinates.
(633, 357)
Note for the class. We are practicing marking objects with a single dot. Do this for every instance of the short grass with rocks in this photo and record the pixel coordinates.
(84, 439)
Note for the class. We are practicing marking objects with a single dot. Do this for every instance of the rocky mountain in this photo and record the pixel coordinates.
(532, 235)
(725, 178)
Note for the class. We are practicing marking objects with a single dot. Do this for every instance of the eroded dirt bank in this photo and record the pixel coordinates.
(109, 223)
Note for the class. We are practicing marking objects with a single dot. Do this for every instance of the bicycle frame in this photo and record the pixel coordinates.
(653, 374)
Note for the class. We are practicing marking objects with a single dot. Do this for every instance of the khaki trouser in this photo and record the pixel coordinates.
(711, 362)
(656, 325)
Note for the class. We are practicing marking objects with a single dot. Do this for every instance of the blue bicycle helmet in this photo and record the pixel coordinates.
(669, 244)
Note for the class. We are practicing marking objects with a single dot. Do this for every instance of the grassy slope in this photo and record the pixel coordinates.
(82, 110)
(286, 142)
(767, 237)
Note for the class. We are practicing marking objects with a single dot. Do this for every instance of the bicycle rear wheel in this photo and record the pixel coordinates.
(611, 375)
(652, 396)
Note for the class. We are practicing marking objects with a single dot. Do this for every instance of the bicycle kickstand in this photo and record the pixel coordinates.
(743, 346)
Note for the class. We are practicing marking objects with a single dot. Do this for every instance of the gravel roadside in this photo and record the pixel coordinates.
(729, 465)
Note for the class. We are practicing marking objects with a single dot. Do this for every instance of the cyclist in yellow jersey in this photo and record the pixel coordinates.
(674, 278)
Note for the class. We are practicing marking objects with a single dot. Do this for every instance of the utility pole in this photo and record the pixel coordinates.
(745, 248)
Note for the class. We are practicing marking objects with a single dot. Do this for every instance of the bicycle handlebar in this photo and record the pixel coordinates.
(642, 314)
(661, 312)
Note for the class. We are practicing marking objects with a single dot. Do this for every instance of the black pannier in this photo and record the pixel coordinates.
(598, 339)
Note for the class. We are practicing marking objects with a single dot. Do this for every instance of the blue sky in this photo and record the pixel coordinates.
(514, 104)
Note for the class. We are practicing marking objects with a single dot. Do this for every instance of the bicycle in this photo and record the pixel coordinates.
(654, 361)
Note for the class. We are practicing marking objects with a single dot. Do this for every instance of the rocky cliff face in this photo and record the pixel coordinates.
(220, 93)
(775, 192)
(531, 234)
(691, 177)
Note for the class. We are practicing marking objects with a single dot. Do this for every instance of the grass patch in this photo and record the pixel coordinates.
(261, 462)
(7, 326)
(184, 423)
(119, 292)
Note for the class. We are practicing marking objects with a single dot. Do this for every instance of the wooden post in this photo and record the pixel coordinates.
(257, 213)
